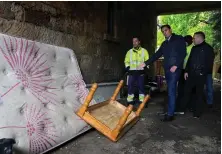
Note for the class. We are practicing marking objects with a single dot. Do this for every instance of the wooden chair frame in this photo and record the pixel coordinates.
(125, 122)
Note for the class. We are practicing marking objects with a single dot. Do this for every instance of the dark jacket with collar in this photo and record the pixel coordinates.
(173, 51)
(201, 60)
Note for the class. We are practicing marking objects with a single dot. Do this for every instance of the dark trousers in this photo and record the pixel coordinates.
(197, 82)
(139, 79)
(172, 79)
(209, 89)
(180, 94)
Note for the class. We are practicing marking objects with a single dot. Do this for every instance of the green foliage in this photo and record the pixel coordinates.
(215, 21)
(189, 23)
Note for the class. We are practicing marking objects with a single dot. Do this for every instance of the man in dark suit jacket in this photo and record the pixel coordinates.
(173, 50)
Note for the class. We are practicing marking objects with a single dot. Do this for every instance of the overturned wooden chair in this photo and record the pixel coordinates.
(110, 117)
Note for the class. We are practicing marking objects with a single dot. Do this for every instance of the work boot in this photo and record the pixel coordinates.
(136, 106)
(131, 103)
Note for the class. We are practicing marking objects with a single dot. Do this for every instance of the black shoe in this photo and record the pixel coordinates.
(196, 117)
(130, 103)
(136, 106)
(210, 106)
(190, 110)
(167, 118)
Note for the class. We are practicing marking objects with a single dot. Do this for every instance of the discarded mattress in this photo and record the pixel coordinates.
(41, 88)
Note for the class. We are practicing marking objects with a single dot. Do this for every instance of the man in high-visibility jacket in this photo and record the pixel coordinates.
(133, 59)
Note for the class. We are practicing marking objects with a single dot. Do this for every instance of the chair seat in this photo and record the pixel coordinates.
(110, 117)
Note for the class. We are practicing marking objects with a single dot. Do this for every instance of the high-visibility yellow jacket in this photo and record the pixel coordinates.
(135, 57)
(187, 55)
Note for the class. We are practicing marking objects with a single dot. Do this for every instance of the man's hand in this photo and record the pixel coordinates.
(185, 76)
(173, 69)
(142, 65)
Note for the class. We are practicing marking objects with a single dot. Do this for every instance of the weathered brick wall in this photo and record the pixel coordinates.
(81, 26)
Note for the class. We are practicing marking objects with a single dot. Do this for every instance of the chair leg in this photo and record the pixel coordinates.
(142, 105)
(89, 98)
(122, 120)
(113, 98)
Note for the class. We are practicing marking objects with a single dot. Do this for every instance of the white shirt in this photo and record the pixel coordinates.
(169, 38)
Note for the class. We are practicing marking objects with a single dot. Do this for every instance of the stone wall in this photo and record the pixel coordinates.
(82, 26)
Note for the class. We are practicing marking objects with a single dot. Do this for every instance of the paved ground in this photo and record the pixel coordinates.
(150, 136)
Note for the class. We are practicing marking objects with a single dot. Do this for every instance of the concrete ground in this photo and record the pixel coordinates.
(185, 135)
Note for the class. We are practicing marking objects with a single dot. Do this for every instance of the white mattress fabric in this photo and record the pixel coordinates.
(41, 87)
